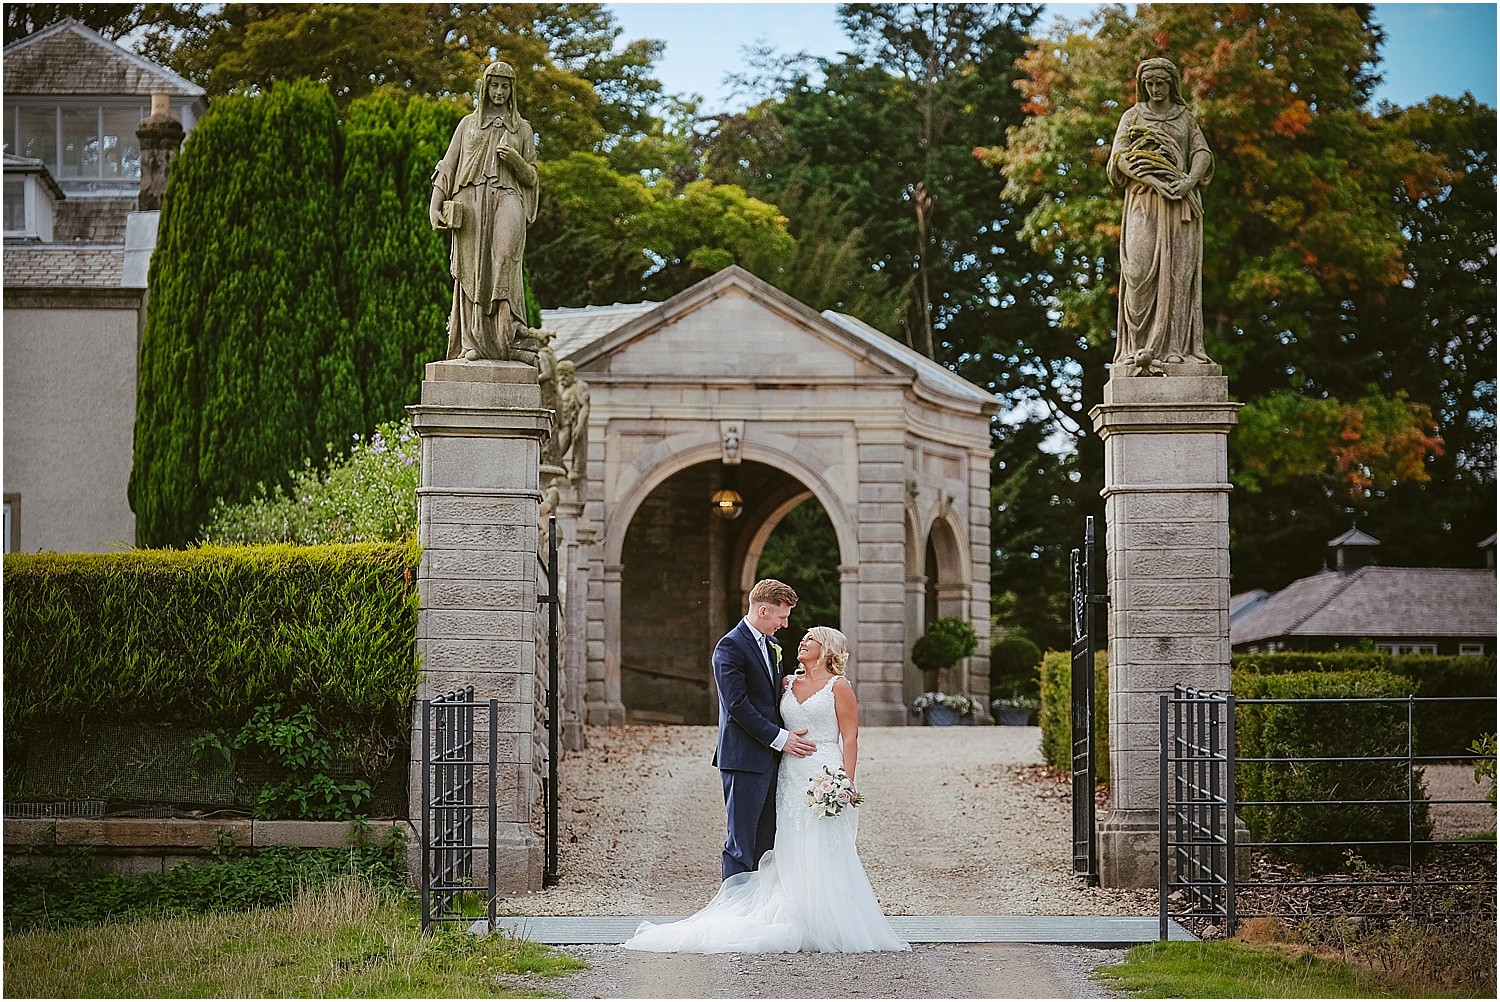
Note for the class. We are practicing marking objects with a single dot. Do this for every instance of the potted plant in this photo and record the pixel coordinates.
(939, 709)
(1015, 710)
(1014, 683)
(946, 642)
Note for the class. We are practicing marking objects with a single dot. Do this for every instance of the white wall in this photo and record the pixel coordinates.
(70, 382)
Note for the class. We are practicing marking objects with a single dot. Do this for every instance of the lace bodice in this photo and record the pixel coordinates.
(816, 716)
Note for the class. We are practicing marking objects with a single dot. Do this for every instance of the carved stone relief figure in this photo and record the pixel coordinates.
(1162, 161)
(732, 434)
(484, 193)
(572, 422)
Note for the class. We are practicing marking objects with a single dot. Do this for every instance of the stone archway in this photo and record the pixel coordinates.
(947, 586)
(684, 577)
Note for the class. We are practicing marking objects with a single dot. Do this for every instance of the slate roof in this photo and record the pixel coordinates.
(1354, 538)
(64, 266)
(68, 58)
(1374, 602)
(579, 328)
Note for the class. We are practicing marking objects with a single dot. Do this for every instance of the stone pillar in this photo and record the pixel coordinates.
(482, 426)
(1166, 494)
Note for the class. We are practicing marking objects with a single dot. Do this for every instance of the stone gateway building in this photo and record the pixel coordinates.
(733, 386)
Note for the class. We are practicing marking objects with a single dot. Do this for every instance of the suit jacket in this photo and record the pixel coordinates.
(749, 704)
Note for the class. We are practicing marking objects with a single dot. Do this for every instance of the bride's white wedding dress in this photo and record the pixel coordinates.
(811, 892)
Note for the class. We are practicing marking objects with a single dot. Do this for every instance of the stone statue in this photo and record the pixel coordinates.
(731, 434)
(484, 193)
(1162, 161)
(572, 423)
(546, 377)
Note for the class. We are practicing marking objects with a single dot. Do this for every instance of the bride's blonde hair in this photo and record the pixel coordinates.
(835, 647)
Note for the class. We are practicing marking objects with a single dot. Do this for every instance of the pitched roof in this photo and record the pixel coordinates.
(1375, 602)
(593, 331)
(70, 58)
(64, 266)
(1354, 538)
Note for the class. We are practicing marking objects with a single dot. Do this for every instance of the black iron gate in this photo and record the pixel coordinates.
(1083, 572)
(553, 602)
(448, 785)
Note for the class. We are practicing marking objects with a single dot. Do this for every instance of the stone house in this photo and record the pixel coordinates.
(1402, 610)
(733, 385)
(76, 247)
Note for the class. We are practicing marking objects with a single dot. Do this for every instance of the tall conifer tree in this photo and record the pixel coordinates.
(243, 369)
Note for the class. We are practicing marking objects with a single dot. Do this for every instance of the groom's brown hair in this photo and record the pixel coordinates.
(772, 592)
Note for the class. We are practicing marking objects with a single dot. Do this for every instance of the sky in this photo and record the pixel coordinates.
(1429, 48)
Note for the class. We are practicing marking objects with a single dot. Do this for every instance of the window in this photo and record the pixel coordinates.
(1471, 650)
(1407, 648)
(15, 205)
(82, 139)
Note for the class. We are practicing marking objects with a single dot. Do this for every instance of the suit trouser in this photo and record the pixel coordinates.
(750, 799)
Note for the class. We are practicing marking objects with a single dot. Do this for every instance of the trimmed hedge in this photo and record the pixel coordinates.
(1014, 662)
(1056, 714)
(1441, 729)
(1327, 730)
(199, 638)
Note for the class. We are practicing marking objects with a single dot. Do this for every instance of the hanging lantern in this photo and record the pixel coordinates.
(728, 504)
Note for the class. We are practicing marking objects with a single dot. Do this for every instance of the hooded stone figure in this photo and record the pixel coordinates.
(1162, 161)
(484, 192)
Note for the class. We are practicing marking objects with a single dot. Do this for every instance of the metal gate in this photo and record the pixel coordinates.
(553, 601)
(1196, 850)
(1083, 571)
(448, 763)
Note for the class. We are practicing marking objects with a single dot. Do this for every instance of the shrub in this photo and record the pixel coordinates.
(370, 495)
(1056, 714)
(1327, 730)
(1013, 668)
(74, 891)
(946, 642)
(198, 639)
(1441, 728)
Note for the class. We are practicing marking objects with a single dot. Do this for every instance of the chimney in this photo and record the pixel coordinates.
(161, 137)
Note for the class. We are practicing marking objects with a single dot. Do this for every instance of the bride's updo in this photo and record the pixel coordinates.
(835, 647)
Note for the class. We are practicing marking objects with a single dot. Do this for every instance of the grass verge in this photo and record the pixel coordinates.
(347, 939)
(1234, 970)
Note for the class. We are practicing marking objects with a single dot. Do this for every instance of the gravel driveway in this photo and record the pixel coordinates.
(957, 821)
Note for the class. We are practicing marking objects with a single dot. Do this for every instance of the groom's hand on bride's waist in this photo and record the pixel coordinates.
(798, 745)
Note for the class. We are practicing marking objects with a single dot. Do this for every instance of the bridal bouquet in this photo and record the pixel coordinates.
(831, 792)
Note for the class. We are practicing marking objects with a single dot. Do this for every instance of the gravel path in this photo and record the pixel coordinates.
(958, 821)
(970, 970)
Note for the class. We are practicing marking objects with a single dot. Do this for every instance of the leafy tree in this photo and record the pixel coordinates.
(1307, 228)
(109, 19)
(803, 551)
(243, 362)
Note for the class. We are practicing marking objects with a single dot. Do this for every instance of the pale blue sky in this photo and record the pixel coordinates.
(1429, 49)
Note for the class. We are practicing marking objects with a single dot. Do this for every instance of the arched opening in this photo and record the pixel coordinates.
(686, 574)
(946, 591)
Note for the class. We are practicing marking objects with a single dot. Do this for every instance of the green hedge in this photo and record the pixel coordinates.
(1327, 730)
(1441, 729)
(199, 638)
(1056, 715)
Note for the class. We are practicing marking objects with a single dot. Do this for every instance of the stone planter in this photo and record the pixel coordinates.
(1009, 715)
(945, 716)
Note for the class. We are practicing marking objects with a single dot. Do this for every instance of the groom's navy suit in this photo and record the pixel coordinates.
(749, 721)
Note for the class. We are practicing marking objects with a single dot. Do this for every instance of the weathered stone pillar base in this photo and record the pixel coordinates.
(1166, 494)
(481, 425)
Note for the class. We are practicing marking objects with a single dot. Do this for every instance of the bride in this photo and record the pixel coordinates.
(810, 892)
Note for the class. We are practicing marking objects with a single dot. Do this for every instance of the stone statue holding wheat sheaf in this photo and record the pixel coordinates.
(1162, 161)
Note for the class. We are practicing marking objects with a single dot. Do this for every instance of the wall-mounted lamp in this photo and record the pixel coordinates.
(728, 504)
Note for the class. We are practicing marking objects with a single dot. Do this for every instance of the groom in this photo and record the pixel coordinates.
(747, 670)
